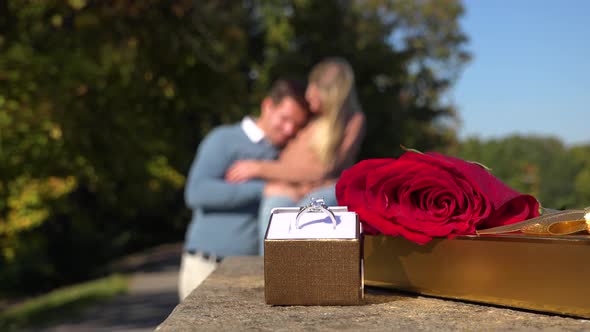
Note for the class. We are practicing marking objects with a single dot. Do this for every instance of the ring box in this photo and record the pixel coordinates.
(315, 264)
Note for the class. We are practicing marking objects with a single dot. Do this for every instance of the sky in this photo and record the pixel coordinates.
(530, 72)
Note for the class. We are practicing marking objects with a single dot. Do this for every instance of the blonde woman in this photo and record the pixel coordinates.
(311, 163)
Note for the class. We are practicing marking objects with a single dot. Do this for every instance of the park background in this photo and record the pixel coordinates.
(103, 104)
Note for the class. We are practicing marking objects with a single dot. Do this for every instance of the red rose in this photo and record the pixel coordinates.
(421, 196)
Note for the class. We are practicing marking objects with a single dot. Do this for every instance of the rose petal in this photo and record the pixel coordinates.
(518, 209)
(351, 185)
(387, 227)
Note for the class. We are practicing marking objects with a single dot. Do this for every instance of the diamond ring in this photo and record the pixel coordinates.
(315, 205)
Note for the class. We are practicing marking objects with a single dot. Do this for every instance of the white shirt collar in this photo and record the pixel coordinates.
(254, 133)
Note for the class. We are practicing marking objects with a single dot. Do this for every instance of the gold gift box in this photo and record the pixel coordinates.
(313, 271)
(549, 274)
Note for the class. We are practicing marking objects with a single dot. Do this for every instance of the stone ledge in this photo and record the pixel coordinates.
(232, 299)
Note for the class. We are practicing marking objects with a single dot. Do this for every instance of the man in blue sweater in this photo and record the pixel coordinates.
(224, 221)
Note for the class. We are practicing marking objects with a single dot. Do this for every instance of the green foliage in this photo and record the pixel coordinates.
(91, 105)
(581, 157)
(102, 105)
(541, 166)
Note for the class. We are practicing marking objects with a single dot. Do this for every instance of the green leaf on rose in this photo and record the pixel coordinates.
(469, 161)
(410, 149)
(480, 165)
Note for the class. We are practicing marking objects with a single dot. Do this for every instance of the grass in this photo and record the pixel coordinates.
(62, 303)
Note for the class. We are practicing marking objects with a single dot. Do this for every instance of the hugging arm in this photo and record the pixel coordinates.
(206, 187)
(306, 166)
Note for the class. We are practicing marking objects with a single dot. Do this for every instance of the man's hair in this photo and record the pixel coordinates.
(283, 88)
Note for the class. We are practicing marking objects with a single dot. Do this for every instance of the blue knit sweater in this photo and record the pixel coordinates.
(224, 215)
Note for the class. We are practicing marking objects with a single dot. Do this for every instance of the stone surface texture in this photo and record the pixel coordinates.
(232, 299)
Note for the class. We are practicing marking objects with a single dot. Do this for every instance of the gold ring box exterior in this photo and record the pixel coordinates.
(320, 270)
(541, 273)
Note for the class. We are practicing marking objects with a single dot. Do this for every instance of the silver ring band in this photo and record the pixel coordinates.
(315, 205)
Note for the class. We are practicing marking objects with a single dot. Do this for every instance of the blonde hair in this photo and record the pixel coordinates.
(334, 80)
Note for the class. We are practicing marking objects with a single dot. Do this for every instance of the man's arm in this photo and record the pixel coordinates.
(206, 188)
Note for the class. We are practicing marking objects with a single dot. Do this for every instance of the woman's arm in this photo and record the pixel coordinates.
(302, 164)
(307, 168)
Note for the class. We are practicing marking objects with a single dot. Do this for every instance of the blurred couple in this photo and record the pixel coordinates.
(296, 149)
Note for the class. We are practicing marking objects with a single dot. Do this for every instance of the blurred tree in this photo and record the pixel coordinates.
(406, 54)
(103, 103)
(581, 155)
(540, 166)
